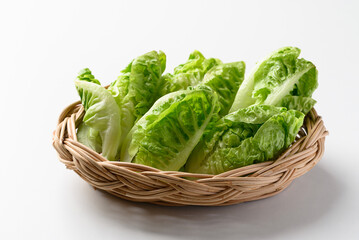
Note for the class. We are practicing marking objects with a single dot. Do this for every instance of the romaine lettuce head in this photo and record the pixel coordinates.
(136, 89)
(225, 80)
(102, 115)
(86, 135)
(249, 135)
(165, 136)
(189, 73)
(134, 92)
(279, 75)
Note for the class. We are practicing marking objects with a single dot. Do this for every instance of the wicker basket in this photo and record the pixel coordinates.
(141, 183)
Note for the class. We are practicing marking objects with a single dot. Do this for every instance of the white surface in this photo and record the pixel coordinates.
(44, 45)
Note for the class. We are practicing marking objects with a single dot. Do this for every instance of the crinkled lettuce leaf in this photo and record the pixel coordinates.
(137, 88)
(101, 114)
(86, 75)
(279, 75)
(196, 61)
(189, 73)
(225, 80)
(244, 121)
(249, 135)
(166, 135)
(302, 104)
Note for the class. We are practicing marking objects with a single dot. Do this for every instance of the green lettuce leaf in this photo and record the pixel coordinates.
(166, 135)
(102, 114)
(89, 137)
(250, 135)
(240, 123)
(302, 104)
(279, 75)
(225, 80)
(138, 86)
(136, 89)
(189, 73)
(86, 75)
(86, 135)
(197, 61)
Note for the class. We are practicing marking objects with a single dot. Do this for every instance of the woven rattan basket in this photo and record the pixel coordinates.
(145, 184)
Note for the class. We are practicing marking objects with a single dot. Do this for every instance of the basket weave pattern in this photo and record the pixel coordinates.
(141, 183)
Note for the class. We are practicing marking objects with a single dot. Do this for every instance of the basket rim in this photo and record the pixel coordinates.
(298, 159)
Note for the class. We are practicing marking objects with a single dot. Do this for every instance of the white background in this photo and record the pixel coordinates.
(44, 44)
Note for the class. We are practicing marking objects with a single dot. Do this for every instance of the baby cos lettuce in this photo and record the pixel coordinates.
(102, 115)
(256, 130)
(137, 88)
(133, 93)
(166, 135)
(205, 117)
(249, 135)
(280, 75)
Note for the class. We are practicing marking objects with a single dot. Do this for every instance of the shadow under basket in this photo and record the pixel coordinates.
(141, 183)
